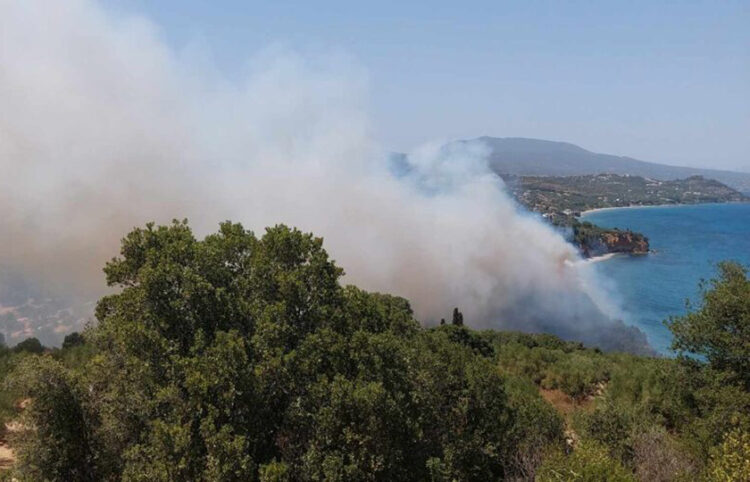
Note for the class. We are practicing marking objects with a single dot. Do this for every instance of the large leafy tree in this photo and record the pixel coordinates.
(719, 329)
(239, 357)
(201, 333)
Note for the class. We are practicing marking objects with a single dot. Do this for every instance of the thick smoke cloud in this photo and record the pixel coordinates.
(104, 127)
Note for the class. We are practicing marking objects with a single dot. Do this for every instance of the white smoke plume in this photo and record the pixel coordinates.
(104, 127)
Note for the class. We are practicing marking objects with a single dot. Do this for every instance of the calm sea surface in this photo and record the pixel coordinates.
(687, 241)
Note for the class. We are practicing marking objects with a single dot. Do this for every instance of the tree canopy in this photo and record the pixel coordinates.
(29, 345)
(243, 357)
(719, 329)
(239, 357)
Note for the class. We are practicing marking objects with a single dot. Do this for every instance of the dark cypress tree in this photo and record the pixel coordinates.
(458, 317)
(442, 321)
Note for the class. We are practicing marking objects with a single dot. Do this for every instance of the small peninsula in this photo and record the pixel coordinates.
(562, 199)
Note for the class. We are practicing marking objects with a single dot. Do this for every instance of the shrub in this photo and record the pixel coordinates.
(29, 345)
(589, 462)
(610, 426)
(657, 457)
(72, 340)
(730, 461)
(58, 444)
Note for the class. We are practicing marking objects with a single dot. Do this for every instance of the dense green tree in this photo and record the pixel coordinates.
(29, 345)
(57, 443)
(73, 339)
(239, 357)
(719, 329)
(458, 317)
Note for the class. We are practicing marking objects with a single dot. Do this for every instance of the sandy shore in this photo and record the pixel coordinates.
(636, 206)
(645, 206)
(633, 206)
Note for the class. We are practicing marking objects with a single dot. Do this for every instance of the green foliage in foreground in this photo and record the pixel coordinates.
(720, 329)
(243, 358)
(730, 461)
(590, 462)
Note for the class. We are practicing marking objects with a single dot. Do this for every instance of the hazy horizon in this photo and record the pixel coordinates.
(742, 169)
(655, 81)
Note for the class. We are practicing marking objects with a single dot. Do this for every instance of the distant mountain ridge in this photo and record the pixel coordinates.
(537, 157)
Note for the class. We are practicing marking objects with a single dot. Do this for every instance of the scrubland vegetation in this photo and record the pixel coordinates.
(240, 357)
(555, 194)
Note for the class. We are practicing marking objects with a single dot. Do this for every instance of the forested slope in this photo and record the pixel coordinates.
(240, 357)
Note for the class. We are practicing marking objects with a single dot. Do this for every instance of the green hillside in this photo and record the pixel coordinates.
(556, 194)
(240, 357)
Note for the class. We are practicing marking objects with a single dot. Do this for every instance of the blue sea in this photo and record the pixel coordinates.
(687, 242)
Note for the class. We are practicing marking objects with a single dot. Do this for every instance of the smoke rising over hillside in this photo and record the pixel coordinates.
(104, 127)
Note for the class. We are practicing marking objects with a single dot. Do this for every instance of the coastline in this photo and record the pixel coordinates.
(686, 243)
(646, 206)
(636, 206)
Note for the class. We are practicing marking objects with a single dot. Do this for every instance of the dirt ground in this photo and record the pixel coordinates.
(565, 405)
(562, 402)
(7, 457)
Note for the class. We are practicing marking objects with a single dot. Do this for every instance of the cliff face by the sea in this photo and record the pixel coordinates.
(593, 240)
(614, 242)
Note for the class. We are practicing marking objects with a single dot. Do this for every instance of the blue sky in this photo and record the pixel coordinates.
(660, 81)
